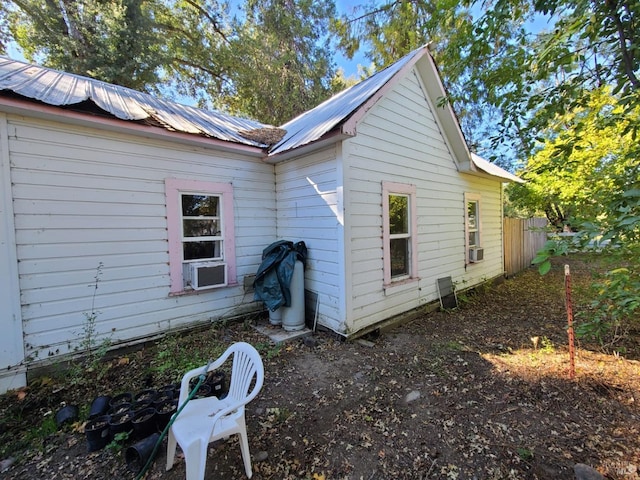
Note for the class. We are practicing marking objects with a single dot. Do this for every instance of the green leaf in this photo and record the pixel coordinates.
(539, 259)
(544, 268)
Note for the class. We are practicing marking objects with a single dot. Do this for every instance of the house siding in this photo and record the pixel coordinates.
(399, 140)
(309, 209)
(85, 197)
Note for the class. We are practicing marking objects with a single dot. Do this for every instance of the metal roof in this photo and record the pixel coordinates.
(314, 123)
(63, 89)
(493, 169)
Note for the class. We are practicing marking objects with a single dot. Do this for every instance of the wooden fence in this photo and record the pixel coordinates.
(523, 237)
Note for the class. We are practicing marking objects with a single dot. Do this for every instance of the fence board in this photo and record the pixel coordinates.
(522, 239)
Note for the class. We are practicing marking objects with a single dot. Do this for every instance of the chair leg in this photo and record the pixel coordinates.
(246, 455)
(171, 450)
(195, 457)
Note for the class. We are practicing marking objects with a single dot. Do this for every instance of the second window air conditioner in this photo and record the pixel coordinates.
(476, 254)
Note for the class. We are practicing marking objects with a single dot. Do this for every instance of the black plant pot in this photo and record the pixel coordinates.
(126, 397)
(66, 414)
(99, 406)
(97, 432)
(164, 411)
(203, 391)
(141, 405)
(138, 454)
(120, 422)
(217, 381)
(148, 395)
(172, 387)
(119, 408)
(163, 397)
(144, 422)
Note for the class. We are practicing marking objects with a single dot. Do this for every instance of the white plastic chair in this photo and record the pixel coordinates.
(204, 420)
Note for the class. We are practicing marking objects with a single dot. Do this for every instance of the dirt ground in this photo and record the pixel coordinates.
(465, 394)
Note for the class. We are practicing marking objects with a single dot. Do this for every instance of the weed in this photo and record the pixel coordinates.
(269, 350)
(454, 346)
(547, 346)
(171, 356)
(278, 415)
(119, 439)
(178, 354)
(92, 350)
(41, 431)
(525, 454)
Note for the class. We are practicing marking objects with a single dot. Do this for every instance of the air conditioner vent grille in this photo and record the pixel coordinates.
(208, 275)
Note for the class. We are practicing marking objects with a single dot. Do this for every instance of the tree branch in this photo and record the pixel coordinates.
(208, 17)
(627, 58)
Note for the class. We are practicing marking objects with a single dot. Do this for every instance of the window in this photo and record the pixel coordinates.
(472, 224)
(399, 237)
(201, 227)
(473, 228)
(201, 234)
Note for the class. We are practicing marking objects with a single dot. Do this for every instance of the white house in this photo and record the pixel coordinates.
(166, 208)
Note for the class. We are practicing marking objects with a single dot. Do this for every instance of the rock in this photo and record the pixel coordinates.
(412, 396)
(359, 377)
(261, 456)
(585, 472)
(6, 464)
(310, 342)
(365, 343)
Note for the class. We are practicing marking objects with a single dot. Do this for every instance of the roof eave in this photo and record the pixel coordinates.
(37, 109)
(334, 136)
(484, 168)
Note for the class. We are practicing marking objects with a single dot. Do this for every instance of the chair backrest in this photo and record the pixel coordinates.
(247, 365)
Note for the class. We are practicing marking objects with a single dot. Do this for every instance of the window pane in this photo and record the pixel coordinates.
(201, 228)
(473, 239)
(201, 250)
(200, 205)
(399, 256)
(472, 214)
(398, 214)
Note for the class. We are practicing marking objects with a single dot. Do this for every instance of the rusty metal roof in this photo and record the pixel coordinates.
(64, 89)
(314, 123)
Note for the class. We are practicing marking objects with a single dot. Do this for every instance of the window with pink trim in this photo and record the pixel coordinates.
(201, 234)
(399, 232)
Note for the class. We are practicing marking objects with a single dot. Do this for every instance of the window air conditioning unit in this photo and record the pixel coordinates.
(208, 275)
(476, 254)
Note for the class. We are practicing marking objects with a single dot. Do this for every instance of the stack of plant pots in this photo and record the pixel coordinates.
(141, 415)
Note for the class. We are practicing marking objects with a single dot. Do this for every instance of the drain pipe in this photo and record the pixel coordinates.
(201, 378)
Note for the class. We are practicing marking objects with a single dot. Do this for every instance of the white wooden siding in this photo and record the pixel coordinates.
(84, 197)
(12, 370)
(309, 209)
(400, 141)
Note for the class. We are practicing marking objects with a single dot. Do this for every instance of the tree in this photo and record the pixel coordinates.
(5, 37)
(112, 40)
(281, 58)
(580, 165)
(197, 62)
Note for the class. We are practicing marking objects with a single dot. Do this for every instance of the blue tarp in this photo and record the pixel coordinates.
(274, 274)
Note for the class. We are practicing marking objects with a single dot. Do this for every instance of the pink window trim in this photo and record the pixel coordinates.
(404, 189)
(173, 188)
